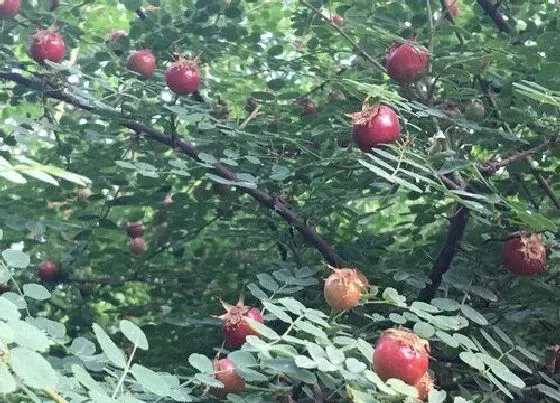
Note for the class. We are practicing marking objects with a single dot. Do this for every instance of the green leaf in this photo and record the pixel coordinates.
(27, 335)
(151, 381)
(262, 329)
(309, 328)
(390, 177)
(32, 368)
(437, 396)
(7, 381)
(305, 362)
(355, 366)
(297, 308)
(472, 359)
(335, 355)
(267, 281)
(36, 291)
(8, 310)
(16, 258)
(424, 329)
(134, 334)
(501, 370)
(521, 365)
(85, 379)
(201, 363)
(491, 341)
(277, 311)
(113, 353)
(446, 304)
(548, 391)
(473, 315)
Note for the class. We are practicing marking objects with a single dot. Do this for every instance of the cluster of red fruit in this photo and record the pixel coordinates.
(137, 244)
(235, 329)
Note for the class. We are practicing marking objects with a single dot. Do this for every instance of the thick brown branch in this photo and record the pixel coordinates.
(458, 223)
(50, 91)
(492, 11)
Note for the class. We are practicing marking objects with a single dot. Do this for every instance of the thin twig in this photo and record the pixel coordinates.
(354, 45)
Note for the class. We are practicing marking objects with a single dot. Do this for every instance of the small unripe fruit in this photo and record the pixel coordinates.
(401, 354)
(135, 229)
(142, 62)
(407, 63)
(375, 125)
(309, 108)
(137, 246)
(84, 194)
(475, 110)
(224, 371)
(47, 45)
(337, 20)
(183, 76)
(9, 8)
(524, 254)
(48, 271)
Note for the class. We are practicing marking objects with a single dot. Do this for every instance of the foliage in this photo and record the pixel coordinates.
(88, 147)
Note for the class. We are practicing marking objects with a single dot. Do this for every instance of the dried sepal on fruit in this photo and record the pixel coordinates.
(343, 288)
(235, 327)
(375, 125)
(524, 254)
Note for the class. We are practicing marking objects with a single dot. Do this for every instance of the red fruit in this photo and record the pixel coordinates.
(343, 288)
(452, 7)
(137, 245)
(4, 288)
(424, 386)
(48, 270)
(183, 76)
(235, 327)
(337, 19)
(135, 229)
(224, 371)
(401, 354)
(142, 62)
(407, 63)
(47, 45)
(375, 125)
(9, 8)
(553, 358)
(309, 108)
(116, 35)
(524, 254)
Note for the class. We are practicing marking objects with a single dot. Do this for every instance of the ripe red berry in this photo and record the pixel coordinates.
(4, 288)
(142, 62)
(407, 63)
(401, 354)
(524, 254)
(135, 229)
(137, 245)
(552, 357)
(183, 76)
(48, 270)
(309, 108)
(375, 125)
(453, 7)
(47, 45)
(235, 327)
(116, 35)
(424, 386)
(224, 371)
(9, 8)
(343, 288)
(337, 19)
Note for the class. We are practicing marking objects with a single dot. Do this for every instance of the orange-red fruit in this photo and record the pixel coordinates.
(142, 62)
(183, 77)
(453, 7)
(135, 229)
(424, 386)
(235, 327)
(9, 8)
(401, 354)
(137, 245)
(47, 45)
(224, 371)
(343, 288)
(48, 270)
(407, 63)
(375, 125)
(337, 19)
(116, 35)
(524, 254)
